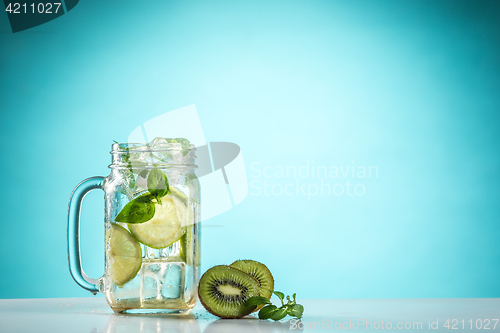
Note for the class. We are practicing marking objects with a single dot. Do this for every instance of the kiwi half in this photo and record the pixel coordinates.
(223, 291)
(261, 273)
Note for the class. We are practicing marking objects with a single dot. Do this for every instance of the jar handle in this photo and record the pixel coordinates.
(75, 205)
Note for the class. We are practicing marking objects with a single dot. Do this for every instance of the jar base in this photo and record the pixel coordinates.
(135, 306)
(180, 312)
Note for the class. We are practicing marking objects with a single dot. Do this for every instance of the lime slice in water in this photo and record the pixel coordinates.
(165, 228)
(188, 242)
(179, 195)
(125, 255)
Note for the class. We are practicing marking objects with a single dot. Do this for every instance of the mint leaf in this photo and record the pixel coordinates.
(157, 183)
(273, 312)
(139, 210)
(278, 314)
(296, 310)
(257, 300)
(267, 311)
(280, 295)
(143, 173)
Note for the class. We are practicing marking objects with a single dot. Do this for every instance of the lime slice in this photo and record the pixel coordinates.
(176, 193)
(180, 207)
(188, 242)
(125, 255)
(166, 227)
(183, 249)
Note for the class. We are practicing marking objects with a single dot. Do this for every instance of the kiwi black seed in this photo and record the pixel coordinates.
(223, 291)
(260, 272)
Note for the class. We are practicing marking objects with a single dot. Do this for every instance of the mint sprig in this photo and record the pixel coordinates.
(273, 312)
(142, 209)
(158, 184)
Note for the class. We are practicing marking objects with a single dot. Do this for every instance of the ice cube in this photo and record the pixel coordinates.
(149, 288)
(160, 156)
(152, 281)
(139, 158)
(158, 142)
(172, 283)
(130, 289)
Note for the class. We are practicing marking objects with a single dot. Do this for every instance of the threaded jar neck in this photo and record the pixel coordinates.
(146, 156)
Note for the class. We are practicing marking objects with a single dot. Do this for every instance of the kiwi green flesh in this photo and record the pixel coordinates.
(260, 272)
(223, 291)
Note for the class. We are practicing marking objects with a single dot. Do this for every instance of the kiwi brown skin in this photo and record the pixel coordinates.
(217, 314)
(243, 265)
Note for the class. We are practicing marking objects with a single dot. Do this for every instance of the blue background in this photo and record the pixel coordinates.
(411, 87)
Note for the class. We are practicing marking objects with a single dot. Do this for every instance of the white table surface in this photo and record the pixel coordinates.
(92, 315)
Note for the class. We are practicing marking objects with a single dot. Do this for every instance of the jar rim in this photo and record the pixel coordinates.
(120, 148)
(158, 166)
(120, 160)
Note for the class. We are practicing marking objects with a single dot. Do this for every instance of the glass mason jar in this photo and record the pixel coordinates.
(152, 232)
